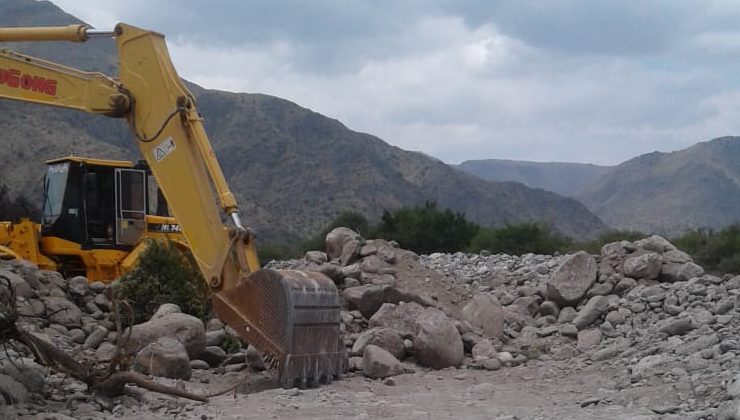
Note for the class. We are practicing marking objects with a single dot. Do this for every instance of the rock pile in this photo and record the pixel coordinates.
(76, 316)
(644, 305)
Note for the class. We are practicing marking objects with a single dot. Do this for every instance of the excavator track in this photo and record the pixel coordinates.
(292, 316)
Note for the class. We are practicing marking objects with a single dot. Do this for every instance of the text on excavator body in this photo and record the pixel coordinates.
(15, 79)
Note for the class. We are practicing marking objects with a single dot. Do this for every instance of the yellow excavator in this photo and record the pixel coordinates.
(97, 216)
(291, 316)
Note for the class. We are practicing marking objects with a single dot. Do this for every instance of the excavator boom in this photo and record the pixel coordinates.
(293, 316)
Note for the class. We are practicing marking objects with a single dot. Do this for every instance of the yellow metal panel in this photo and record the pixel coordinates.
(171, 139)
(75, 33)
(23, 239)
(93, 161)
(34, 80)
(8, 254)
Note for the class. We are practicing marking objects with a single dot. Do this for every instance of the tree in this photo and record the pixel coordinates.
(519, 239)
(426, 229)
(165, 274)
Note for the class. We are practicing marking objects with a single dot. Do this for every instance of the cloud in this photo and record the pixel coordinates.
(573, 80)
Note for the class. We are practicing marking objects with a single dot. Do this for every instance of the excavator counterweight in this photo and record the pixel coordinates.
(291, 316)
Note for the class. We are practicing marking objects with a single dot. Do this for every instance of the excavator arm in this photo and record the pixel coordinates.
(290, 315)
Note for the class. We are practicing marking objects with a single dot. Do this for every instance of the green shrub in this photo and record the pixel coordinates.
(231, 344)
(519, 239)
(269, 251)
(716, 251)
(165, 274)
(426, 229)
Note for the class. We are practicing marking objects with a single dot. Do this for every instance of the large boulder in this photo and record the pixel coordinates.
(164, 357)
(338, 238)
(591, 311)
(213, 355)
(485, 313)
(78, 286)
(645, 266)
(437, 344)
(655, 243)
(20, 286)
(673, 272)
(26, 371)
(187, 329)
(61, 311)
(572, 279)
(164, 310)
(385, 338)
(402, 318)
(377, 363)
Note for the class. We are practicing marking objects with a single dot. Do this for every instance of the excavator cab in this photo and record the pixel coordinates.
(96, 205)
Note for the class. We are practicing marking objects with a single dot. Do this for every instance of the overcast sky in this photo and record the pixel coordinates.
(573, 80)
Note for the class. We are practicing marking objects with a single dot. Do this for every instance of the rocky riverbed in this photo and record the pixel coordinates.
(637, 331)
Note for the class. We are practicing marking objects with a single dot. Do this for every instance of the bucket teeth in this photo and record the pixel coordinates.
(293, 318)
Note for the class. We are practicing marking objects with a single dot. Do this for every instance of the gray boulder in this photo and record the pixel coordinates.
(485, 313)
(591, 311)
(20, 286)
(78, 286)
(61, 311)
(166, 357)
(95, 338)
(315, 257)
(645, 266)
(677, 326)
(385, 338)
(187, 329)
(655, 243)
(337, 238)
(402, 318)
(673, 272)
(378, 363)
(166, 309)
(26, 371)
(213, 355)
(437, 344)
(572, 279)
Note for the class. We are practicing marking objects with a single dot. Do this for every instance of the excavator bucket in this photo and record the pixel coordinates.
(292, 316)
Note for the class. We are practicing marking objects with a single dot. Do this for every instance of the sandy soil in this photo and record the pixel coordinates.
(539, 391)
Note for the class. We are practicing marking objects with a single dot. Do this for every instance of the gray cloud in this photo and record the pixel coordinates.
(570, 80)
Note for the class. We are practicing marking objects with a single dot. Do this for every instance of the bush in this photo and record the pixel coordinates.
(426, 229)
(519, 239)
(165, 274)
(269, 251)
(715, 251)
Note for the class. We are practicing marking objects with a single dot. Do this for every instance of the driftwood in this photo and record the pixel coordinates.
(107, 378)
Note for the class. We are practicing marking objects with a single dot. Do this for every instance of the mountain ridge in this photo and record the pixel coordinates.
(672, 192)
(291, 168)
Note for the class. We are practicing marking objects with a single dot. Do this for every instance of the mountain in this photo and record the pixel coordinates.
(563, 178)
(292, 169)
(669, 193)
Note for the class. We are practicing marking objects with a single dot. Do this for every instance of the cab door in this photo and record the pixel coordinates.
(130, 205)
